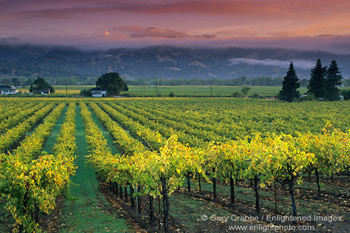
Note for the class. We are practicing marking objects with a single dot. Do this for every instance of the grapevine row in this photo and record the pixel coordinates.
(31, 185)
(9, 139)
(146, 169)
(268, 163)
(246, 117)
(154, 138)
(31, 146)
(19, 117)
(294, 171)
(166, 131)
(205, 131)
(12, 110)
(126, 143)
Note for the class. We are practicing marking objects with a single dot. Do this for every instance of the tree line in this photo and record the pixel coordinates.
(324, 83)
(240, 81)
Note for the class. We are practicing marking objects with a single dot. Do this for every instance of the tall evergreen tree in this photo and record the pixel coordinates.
(317, 80)
(290, 86)
(333, 80)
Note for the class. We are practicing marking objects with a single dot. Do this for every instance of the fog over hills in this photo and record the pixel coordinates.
(161, 62)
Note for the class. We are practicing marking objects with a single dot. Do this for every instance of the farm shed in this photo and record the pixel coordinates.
(7, 90)
(98, 92)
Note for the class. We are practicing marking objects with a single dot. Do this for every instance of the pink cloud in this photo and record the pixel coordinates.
(256, 23)
(137, 32)
(159, 33)
(255, 8)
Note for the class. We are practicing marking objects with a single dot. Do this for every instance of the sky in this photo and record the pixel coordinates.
(292, 24)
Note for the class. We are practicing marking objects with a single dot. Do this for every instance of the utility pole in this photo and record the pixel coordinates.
(66, 87)
(156, 87)
(144, 87)
(211, 90)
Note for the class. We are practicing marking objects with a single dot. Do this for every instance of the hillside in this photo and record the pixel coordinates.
(160, 62)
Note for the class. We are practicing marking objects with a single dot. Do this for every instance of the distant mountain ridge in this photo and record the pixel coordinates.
(161, 62)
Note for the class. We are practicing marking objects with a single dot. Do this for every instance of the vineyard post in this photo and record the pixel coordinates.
(332, 178)
(132, 197)
(257, 203)
(290, 182)
(165, 204)
(292, 198)
(199, 183)
(232, 189)
(25, 206)
(139, 200)
(120, 191)
(214, 184)
(275, 196)
(126, 193)
(318, 182)
(36, 211)
(159, 213)
(151, 209)
(188, 182)
(113, 187)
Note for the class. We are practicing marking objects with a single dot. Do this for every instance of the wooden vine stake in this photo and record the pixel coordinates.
(165, 204)
(257, 202)
(232, 190)
(151, 209)
(139, 200)
(188, 182)
(199, 182)
(214, 185)
(275, 196)
(132, 200)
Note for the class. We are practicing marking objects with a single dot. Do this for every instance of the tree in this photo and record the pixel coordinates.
(39, 85)
(28, 82)
(86, 92)
(6, 81)
(245, 90)
(15, 82)
(333, 80)
(317, 80)
(289, 86)
(346, 94)
(112, 83)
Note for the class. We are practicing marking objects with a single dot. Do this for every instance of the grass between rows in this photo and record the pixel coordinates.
(87, 210)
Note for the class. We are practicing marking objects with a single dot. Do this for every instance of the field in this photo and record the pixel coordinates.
(174, 164)
(182, 91)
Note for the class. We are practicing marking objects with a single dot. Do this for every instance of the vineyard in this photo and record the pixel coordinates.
(174, 165)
